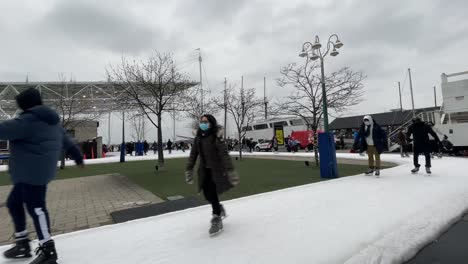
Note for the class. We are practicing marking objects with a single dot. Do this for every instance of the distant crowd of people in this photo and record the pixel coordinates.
(142, 148)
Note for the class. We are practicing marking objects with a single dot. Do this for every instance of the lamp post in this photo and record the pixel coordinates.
(314, 51)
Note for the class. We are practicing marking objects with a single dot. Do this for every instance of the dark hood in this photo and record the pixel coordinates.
(45, 114)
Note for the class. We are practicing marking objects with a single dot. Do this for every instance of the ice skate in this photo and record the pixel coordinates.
(22, 249)
(377, 173)
(415, 170)
(46, 254)
(216, 225)
(428, 170)
(370, 171)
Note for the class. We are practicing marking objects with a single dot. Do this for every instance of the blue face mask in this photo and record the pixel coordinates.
(204, 126)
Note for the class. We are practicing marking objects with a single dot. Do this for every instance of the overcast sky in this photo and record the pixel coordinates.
(253, 38)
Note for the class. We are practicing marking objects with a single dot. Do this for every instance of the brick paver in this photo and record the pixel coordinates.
(81, 203)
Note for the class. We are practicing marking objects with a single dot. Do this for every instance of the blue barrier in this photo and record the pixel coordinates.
(328, 166)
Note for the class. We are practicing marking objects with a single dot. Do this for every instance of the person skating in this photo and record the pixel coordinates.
(216, 172)
(274, 144)
(169, 146)
(435, 146)
(372, 139)
(421, 145)
(155, 147)
(342, 143)
(37, 139)
(447, 146)
(146, 147)
(403, 143)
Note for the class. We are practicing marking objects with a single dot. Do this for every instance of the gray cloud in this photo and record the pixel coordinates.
(209, 12)
(95, 26)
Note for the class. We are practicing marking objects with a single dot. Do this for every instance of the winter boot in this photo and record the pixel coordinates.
(46, 254)
(22, 249)
(370, 171)
(216, 225)
(428, 170)
(377, 173)
(415, 170)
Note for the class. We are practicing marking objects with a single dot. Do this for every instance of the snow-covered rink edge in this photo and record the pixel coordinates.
(357, 220)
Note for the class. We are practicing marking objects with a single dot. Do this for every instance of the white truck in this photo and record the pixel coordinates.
(452, 120)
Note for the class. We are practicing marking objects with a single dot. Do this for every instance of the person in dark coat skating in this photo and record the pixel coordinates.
(216, 173)
(154, 146)
(146, 147)
(373, 139)
(169, 146)
(421, 144)
(36, 139)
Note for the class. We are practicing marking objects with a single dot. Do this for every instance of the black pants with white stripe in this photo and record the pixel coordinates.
(34, 197)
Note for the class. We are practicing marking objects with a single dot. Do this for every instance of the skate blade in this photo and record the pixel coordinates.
(217, 233)
(18, 258)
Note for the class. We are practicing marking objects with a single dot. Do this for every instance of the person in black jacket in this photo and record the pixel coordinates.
(169, 146)
(373, 139)
(216, 172)
(146, 147)
(420, 132)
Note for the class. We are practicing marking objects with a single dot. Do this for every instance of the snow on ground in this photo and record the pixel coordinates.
(352, 220)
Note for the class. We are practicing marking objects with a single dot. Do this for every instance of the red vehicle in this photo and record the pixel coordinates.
(304, 137)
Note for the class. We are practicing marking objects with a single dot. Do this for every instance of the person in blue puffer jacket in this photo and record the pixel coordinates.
(36, 141)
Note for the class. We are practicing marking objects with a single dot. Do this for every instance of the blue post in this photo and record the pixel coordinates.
(328, 167)
(122, 152)
(122, 147)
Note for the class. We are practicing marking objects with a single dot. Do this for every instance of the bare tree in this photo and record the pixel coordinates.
(243, 105)
(193, 107)
(154, 85)
(139, 129)
(73, 109)
(344, 89)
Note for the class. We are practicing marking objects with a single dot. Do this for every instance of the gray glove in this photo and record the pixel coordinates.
(189, 177)
(233, 177)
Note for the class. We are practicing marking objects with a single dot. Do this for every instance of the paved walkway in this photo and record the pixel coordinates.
(81, 203)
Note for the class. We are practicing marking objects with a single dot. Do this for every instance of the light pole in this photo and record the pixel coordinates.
(328, 166)
(314, 52)
(122, 146)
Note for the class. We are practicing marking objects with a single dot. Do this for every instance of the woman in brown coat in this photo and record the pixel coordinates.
(216, 172)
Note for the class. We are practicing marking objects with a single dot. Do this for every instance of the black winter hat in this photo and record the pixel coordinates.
(28, 99)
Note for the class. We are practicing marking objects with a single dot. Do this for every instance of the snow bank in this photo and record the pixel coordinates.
(350, 220)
